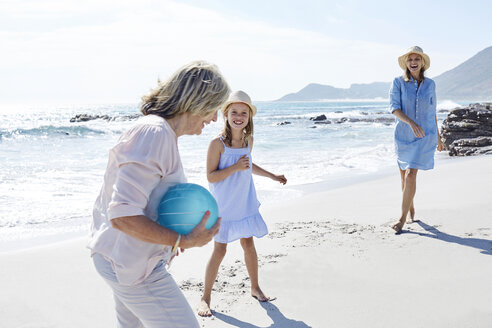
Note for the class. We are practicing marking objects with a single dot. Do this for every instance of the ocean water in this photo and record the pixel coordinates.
(51, 169)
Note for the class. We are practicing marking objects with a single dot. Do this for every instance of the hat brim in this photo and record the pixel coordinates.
(402, 60)
(251, 106)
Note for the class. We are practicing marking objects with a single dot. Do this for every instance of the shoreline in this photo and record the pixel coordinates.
(292, 194)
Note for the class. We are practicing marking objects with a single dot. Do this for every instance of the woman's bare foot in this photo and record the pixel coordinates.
(258, 294)
(398, 226)
(204, 308)
(411, 216)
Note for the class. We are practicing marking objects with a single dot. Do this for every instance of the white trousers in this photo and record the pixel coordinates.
(154, 303)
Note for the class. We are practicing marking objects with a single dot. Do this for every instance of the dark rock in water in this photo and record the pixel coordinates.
(83, 118)
(339, 112)
(364, 113)
(321, 117)
(284, 123)
(341, 120)
(323, 122)
(125, 117)
(468, 130)
(89, 117)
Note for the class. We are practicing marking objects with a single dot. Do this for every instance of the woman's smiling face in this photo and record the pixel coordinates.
(414, 63)
(195, 123)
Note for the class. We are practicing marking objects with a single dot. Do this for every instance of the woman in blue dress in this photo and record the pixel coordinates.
(413, 102)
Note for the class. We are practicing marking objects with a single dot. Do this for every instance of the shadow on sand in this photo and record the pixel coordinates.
(279, 320)
(484, 245)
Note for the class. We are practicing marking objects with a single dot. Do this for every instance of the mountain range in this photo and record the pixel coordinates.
(471, 81)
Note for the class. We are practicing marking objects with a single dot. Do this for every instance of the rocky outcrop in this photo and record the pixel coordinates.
(321, 117)
(468, 130)
(89, 117)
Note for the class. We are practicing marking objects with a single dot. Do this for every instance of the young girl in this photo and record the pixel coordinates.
(229, 171)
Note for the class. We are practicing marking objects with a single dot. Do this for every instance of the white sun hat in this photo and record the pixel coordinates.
(239, 97)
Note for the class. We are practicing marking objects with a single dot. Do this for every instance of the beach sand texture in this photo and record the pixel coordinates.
(331, 260)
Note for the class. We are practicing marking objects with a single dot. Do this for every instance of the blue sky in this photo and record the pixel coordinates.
(105, 51)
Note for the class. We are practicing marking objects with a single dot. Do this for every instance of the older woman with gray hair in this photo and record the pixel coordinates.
(129, 249)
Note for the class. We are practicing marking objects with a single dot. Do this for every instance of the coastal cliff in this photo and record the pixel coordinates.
(468, 130)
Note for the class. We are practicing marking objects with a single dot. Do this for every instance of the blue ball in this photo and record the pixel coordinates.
(183, 207)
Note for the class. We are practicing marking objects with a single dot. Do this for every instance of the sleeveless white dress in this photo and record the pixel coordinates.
(237, 201)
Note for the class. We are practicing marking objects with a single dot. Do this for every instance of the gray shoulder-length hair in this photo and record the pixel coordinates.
(197, 88)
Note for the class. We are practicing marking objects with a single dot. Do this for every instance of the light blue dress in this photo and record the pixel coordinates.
(419, 104)
(236, 197)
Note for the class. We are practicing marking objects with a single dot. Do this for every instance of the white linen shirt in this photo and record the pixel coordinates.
(143, 164)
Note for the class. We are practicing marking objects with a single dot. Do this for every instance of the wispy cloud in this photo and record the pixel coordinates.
(103, 45)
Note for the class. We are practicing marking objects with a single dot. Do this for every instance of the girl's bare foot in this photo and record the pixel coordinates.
(258, 294)
(204, 308)
(398, 226)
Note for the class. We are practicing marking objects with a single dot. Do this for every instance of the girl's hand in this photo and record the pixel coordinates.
(200, 235)
(440, 145)
(417, 130)
(242, 163)
(280, 178)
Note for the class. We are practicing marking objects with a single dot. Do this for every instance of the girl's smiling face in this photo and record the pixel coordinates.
(414, 63)
(238, 115)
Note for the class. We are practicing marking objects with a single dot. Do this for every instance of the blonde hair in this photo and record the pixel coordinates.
(247, 132)
(197, 88)
(407, 76)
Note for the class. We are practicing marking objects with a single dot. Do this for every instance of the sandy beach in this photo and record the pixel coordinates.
(331, 260)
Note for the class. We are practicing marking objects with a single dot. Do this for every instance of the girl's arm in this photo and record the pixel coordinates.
(213, 157)
(440, 145)
(264, 173)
